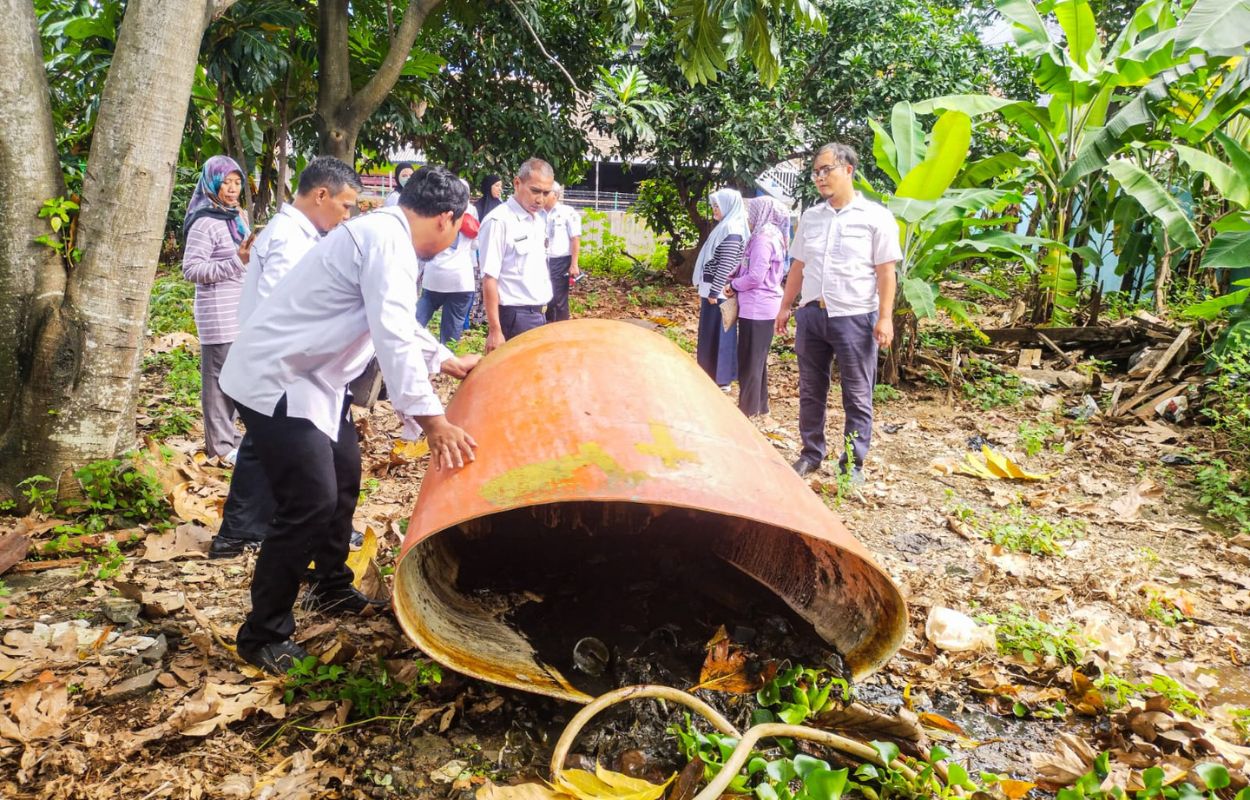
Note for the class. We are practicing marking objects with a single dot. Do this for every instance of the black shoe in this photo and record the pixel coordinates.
(805, 467)
(349, 600)
(276, 658)
(229, 547)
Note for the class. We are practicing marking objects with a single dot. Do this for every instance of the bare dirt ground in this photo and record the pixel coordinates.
(125, 687)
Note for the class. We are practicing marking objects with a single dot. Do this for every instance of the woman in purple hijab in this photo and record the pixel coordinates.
(757, 284)
(215, 227)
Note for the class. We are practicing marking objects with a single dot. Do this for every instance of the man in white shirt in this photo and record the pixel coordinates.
(513, 256)
(353, 294)
(447, 284)
(564, 236)
(324, 197)
(844, 254)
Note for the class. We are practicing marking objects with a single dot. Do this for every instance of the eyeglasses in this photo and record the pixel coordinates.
(824, 172)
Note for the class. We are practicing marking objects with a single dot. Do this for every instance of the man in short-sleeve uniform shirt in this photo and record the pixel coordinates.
(564, 236)
(512, 246)
(844, 254)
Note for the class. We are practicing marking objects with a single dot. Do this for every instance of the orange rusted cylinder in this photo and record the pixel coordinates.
(597, 428)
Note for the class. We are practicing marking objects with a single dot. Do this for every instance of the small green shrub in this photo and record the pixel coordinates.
(884, 393)
(39, 493)
(990, 387)
(1225, 493)
(1021, 532)
(1034, 436)
(1030, 638)
(170, 307)
(117, 491)
(602, 252)
(372, 691)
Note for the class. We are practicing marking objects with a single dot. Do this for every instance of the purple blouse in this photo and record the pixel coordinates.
(758, 280)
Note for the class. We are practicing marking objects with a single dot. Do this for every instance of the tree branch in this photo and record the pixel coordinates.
(539, 42)
(379, 86)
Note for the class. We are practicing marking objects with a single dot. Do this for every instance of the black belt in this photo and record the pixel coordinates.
(535, 309)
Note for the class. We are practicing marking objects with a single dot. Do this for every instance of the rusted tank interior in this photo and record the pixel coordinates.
(571, 599)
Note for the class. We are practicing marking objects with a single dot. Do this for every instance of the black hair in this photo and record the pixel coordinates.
(434, 190)
(329, 173)
(401, 166)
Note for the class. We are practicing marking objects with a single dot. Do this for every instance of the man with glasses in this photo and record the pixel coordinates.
(844, 253)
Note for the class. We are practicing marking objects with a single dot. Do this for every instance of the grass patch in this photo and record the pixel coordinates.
(1019, 531)
(1032, 639)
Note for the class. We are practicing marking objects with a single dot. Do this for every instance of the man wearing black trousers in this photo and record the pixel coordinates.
(325, 196)
(353, 295)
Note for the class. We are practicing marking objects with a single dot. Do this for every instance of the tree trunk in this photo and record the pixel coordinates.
(72, 338)
(340, 111)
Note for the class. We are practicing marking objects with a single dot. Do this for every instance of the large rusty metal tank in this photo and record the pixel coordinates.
(602, 443)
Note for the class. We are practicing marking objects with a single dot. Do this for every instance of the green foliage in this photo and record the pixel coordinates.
(989, 387)
(116, 492)
(660, 206)
(798, 693)
(180, 370)
(62, 216)
(5, 591)
(1021, 532)
(1032, 639)
(1215, 777)
(1225, 493)
(1158, 76)
(372, 691)
(884, 393)
(1035, 436)
(39, 493)
(602, 252)
(942, 227)
(170, 308)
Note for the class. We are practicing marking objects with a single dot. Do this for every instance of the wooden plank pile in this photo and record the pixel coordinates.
(1161, 362)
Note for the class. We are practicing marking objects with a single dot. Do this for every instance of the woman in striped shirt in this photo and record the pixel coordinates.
(214, 228)
(717, 351)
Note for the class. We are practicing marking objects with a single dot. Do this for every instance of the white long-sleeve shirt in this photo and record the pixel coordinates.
(353, 294)
(278, 248)
(452, 269)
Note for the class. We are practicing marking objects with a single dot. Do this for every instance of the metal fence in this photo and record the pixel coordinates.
(599, 201)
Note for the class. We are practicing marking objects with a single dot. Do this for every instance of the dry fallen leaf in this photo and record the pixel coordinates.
(1072, 759)
(358, 560)
(35, 710)
(193, 508)
(522, 791)
(1127, 507)
(189, 540)
(604, 784)
(992, 466)
(404, 452)
(724, 669)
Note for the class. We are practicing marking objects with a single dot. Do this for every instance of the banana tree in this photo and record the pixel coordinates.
(945, 220)
(1098, 101)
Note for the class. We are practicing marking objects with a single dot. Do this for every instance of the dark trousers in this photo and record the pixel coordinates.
(755, 336)
(516, 320)
(819, 341)
(717, 350)
(316, 482)
(456, 307)
(250, 505)
(558, 268)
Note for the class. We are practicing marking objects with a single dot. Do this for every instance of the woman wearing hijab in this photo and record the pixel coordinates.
(214, 228)
(718, 259)
(403, 171)
(757, 286)
(492, 192)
